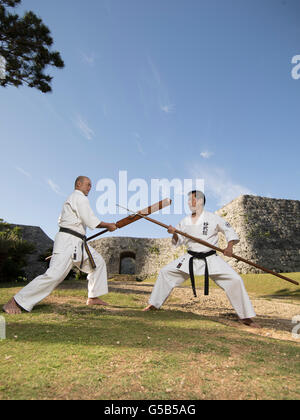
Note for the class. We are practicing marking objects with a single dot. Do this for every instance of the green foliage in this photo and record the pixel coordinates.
(42, 257)
(13, 251)
(25, 46)
(77, 274)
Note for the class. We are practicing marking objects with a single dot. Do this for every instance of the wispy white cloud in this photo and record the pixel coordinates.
(206, 154)
(54, 187)
(83, 126)
(138, 142)
(154, 70)
(168, 108)
(88, 58)
(105, 110)
(153, 90)
(219, 184)
(23, 172)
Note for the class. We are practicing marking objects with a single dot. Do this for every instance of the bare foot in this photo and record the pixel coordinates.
(149, 308)
(249, 323)
(96, 301)
(11, 307)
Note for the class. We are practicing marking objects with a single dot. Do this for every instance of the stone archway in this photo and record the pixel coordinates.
(127, 263)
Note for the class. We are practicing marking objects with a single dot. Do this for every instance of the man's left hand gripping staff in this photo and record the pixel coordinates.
(110, 226)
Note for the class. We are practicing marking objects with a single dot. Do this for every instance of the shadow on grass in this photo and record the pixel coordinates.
(285, 294)
(173, 315)
(113, 287)
(129, 332)
(125, 338)
(164, 330)
(12, 285)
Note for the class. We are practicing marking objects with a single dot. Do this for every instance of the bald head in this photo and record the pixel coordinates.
(83, 184)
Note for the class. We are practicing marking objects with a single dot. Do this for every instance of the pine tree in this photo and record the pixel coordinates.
(25, 49)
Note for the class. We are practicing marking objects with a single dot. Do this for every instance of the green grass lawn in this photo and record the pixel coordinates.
(66, 350)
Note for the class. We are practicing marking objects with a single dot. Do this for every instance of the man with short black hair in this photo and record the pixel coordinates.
(203, 260)
(70, 248)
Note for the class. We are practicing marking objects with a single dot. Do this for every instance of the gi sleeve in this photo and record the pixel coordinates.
(86, 214)
(225, 227)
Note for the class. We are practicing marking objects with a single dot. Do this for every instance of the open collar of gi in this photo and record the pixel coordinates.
(200, 219)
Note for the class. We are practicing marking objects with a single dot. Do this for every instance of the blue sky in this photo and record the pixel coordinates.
(161, 89)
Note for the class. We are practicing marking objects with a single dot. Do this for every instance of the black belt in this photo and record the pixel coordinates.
(84, 245)
(200, 256)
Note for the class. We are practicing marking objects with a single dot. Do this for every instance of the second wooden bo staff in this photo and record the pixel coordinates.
(200, 241)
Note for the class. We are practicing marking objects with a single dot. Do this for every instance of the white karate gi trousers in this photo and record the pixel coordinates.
(233, 285)
(60, 266)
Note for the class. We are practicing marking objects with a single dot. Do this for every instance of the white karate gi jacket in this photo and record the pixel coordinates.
(206, 228)
(76, 215)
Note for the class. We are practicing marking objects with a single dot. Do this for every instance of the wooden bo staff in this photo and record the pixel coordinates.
(132, 218)
(200, 241)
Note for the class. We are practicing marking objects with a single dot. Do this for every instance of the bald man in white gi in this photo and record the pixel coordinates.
(203, 225)
(69, 249)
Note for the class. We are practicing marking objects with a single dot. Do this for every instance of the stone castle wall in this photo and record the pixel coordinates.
(35, 235)
(150, 254)
(269, 231)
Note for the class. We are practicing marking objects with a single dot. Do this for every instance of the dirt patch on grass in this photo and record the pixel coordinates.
(273, 314)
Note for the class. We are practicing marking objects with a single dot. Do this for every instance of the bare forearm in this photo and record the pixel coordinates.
(175, 238)
(171, 230)
(232, 243)
(229, 250)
